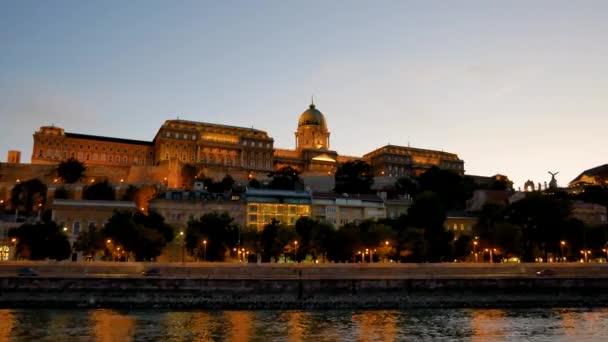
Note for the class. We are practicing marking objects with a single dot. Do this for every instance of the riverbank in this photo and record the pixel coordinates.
(107, 292)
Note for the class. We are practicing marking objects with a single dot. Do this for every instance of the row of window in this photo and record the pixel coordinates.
(252, 143)
(178, 135)
(92, 157)
(96, 148)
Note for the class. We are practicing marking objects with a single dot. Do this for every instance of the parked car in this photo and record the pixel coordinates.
(27, 272)
(151, 272)
(546, 272)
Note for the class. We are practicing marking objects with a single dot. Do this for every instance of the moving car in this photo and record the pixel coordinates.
(546, 272)
(151, 272)
(27, 272)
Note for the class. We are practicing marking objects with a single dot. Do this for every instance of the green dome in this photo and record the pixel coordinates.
(312, 116)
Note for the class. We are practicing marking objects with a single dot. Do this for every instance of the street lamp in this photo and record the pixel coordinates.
(295, 250)
(387, 250)
(181, 234)
(205, 250)
(562, 245)
(586, 254)
(605, 250)
(491, 250)
(475, 243)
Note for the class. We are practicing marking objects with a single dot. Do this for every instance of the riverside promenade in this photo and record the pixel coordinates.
(284, 286)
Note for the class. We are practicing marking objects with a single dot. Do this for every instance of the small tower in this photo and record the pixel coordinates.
(14, 157)
(312, 130)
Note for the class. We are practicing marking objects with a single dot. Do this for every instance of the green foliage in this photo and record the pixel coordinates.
(407, 186)
(71, 170)
(143, 235)
(543, 221)
(254, 183)
(90, 242)
(448, 185)
(285, 178)
(427, 213)
(61, 193)
(28, 195)
(226, 184)
(219, 231)
(41, 241)
(130, 193)
(345, 243)
(312, 236)
(274, 239)
(354, 177)
(100, 191)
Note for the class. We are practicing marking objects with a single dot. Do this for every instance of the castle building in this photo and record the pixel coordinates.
(214, 150)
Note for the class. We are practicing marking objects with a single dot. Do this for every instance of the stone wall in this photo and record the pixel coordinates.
(251, 286)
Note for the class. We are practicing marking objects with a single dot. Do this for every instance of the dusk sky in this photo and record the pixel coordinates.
(513, 87)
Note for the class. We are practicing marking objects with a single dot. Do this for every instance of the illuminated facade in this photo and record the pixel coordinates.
(340, 209)
(213, 150)
(597, 176)
(399, 161)
(287, 207)
(53, 144)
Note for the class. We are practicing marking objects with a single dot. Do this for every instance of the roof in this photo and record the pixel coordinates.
(598, 171)
(273, 192)
(312, 116)
(198, 123)
(334, 195)
(108, 139)
(413, 151)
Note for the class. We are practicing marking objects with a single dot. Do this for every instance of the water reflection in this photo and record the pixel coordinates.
(584, 323)
(109, 325)
(487, 324)
(6, 324)
(375, 325)
(305, 325)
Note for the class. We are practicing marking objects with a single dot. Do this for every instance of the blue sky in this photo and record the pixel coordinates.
(512, 87)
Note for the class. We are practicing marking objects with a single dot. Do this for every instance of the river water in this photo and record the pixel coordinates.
(566, 324)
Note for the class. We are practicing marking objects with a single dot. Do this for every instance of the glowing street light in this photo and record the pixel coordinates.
(562, 245)
(205, 250)
(586, 254)
(295, 250)
(475, 243)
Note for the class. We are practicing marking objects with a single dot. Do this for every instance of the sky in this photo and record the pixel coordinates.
(513, 87)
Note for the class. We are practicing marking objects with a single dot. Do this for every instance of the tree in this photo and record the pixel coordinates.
(100, 191)
(489, 216)
(219, 231)
(90, 242)
(61, 193)
(407, 186)
(543, 221)
(285, 178)
(428, 213)
(274, 239)
(28, 194)
(227, 183)
(71, 170)
(345, 243)
(254, 184)
(143, 235)
(130, 193)
(354, 177)
(448, 185)
(43, 240)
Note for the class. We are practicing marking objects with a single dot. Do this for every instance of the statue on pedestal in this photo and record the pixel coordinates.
(553, 182)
